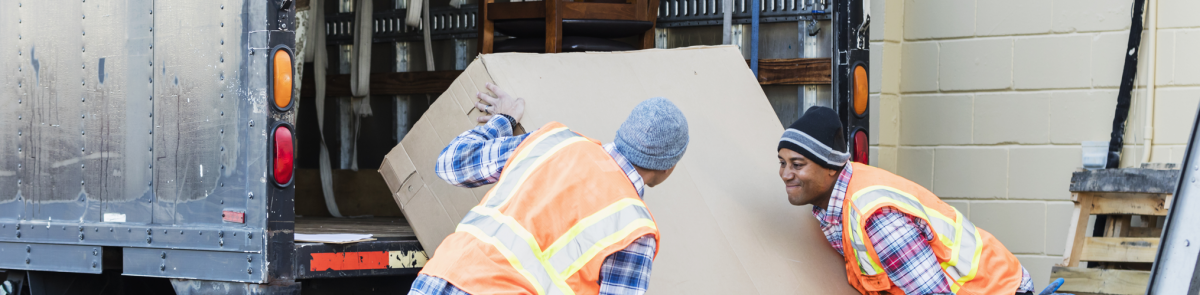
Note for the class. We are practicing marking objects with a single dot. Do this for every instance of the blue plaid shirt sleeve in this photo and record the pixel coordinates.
(476, 157)
(628, 271)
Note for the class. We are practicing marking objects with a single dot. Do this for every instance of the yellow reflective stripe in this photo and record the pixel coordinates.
(955, 244)
(586, 222)
(975, 265)
(857, 243)
(543, 257)
(533, 245)
(941, 223)
(607, 241)
(512, 258)
(533, 167)
(525, 153)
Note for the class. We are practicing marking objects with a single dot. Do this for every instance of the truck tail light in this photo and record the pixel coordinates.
(862, 149)
(284, 155)
(282, 74)
(861, 92)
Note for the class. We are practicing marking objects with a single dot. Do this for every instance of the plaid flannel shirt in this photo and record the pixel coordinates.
(900, 240)
(477, 157)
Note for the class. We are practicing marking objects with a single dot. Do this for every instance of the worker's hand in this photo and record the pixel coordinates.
(1053, 287)
(502, 103)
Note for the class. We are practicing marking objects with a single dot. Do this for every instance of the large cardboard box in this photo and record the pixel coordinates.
(726, 225)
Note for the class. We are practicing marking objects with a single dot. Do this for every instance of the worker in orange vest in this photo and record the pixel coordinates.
(565, 215)
(896, 236)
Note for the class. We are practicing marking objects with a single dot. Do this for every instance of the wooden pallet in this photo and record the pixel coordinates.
(1133, 205)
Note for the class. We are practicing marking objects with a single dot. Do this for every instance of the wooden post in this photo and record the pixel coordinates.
(1078, 230)
(648, 9)
(487, 30)
(553, 26)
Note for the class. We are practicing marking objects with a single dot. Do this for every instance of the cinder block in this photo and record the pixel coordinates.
(919, 67)
(1108, 62)
(878, 20)
(890, 69)
(1054, 62)
(1175, 109)
(1177, 154)
(1178, 14)
(1039, 267)
(1160, 154)
(1164, 69)
(1137, 118)
(874, 67)
(932, 19)
(1042, 172)
(1011, 117)
(975, 64)
(888, 131)
(873, 117)
(1058, 222)
(1081, 115)
(935, 119)
(1090, 15)
(1131, 155)
(894, 26)
(962, 206)
(886, 158)
(1020, 225)
(1187, 44)
(970, 172)
(915, 164)
(1017, 17)
(873, 156)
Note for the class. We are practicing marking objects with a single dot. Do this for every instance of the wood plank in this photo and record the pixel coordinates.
(1127, 180)
(794, 71)
(377, 227)
(385, 83)
(553, 20)
(1119, 249)
(487, 29)
(1101, 281)
(570, 10)
(1078, 229)
(650, 13)
(1130, 203)
(605, 11)
(515, 10)
(1115, 225)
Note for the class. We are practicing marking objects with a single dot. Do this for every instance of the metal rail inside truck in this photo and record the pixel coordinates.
(152, 146)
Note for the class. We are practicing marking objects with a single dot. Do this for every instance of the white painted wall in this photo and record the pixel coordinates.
(985, 102)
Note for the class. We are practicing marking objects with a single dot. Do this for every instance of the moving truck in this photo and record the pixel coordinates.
(163, 146)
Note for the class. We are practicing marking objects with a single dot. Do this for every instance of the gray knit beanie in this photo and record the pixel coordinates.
(654, 136)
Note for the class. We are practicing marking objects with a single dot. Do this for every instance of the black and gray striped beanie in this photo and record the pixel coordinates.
(818, 136)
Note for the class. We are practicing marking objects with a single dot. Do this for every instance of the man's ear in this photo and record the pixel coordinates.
(832, 172)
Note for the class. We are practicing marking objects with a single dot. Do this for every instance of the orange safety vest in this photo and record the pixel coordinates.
(561, 206)
(963, 249)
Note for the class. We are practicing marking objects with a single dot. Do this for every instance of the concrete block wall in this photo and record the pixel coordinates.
(986, 103)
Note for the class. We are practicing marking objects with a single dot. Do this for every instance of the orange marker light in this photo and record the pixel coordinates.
(861, 92)
(283, 78)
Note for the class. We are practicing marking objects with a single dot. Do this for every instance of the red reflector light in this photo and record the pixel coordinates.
(862, 148)
(284, 156)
